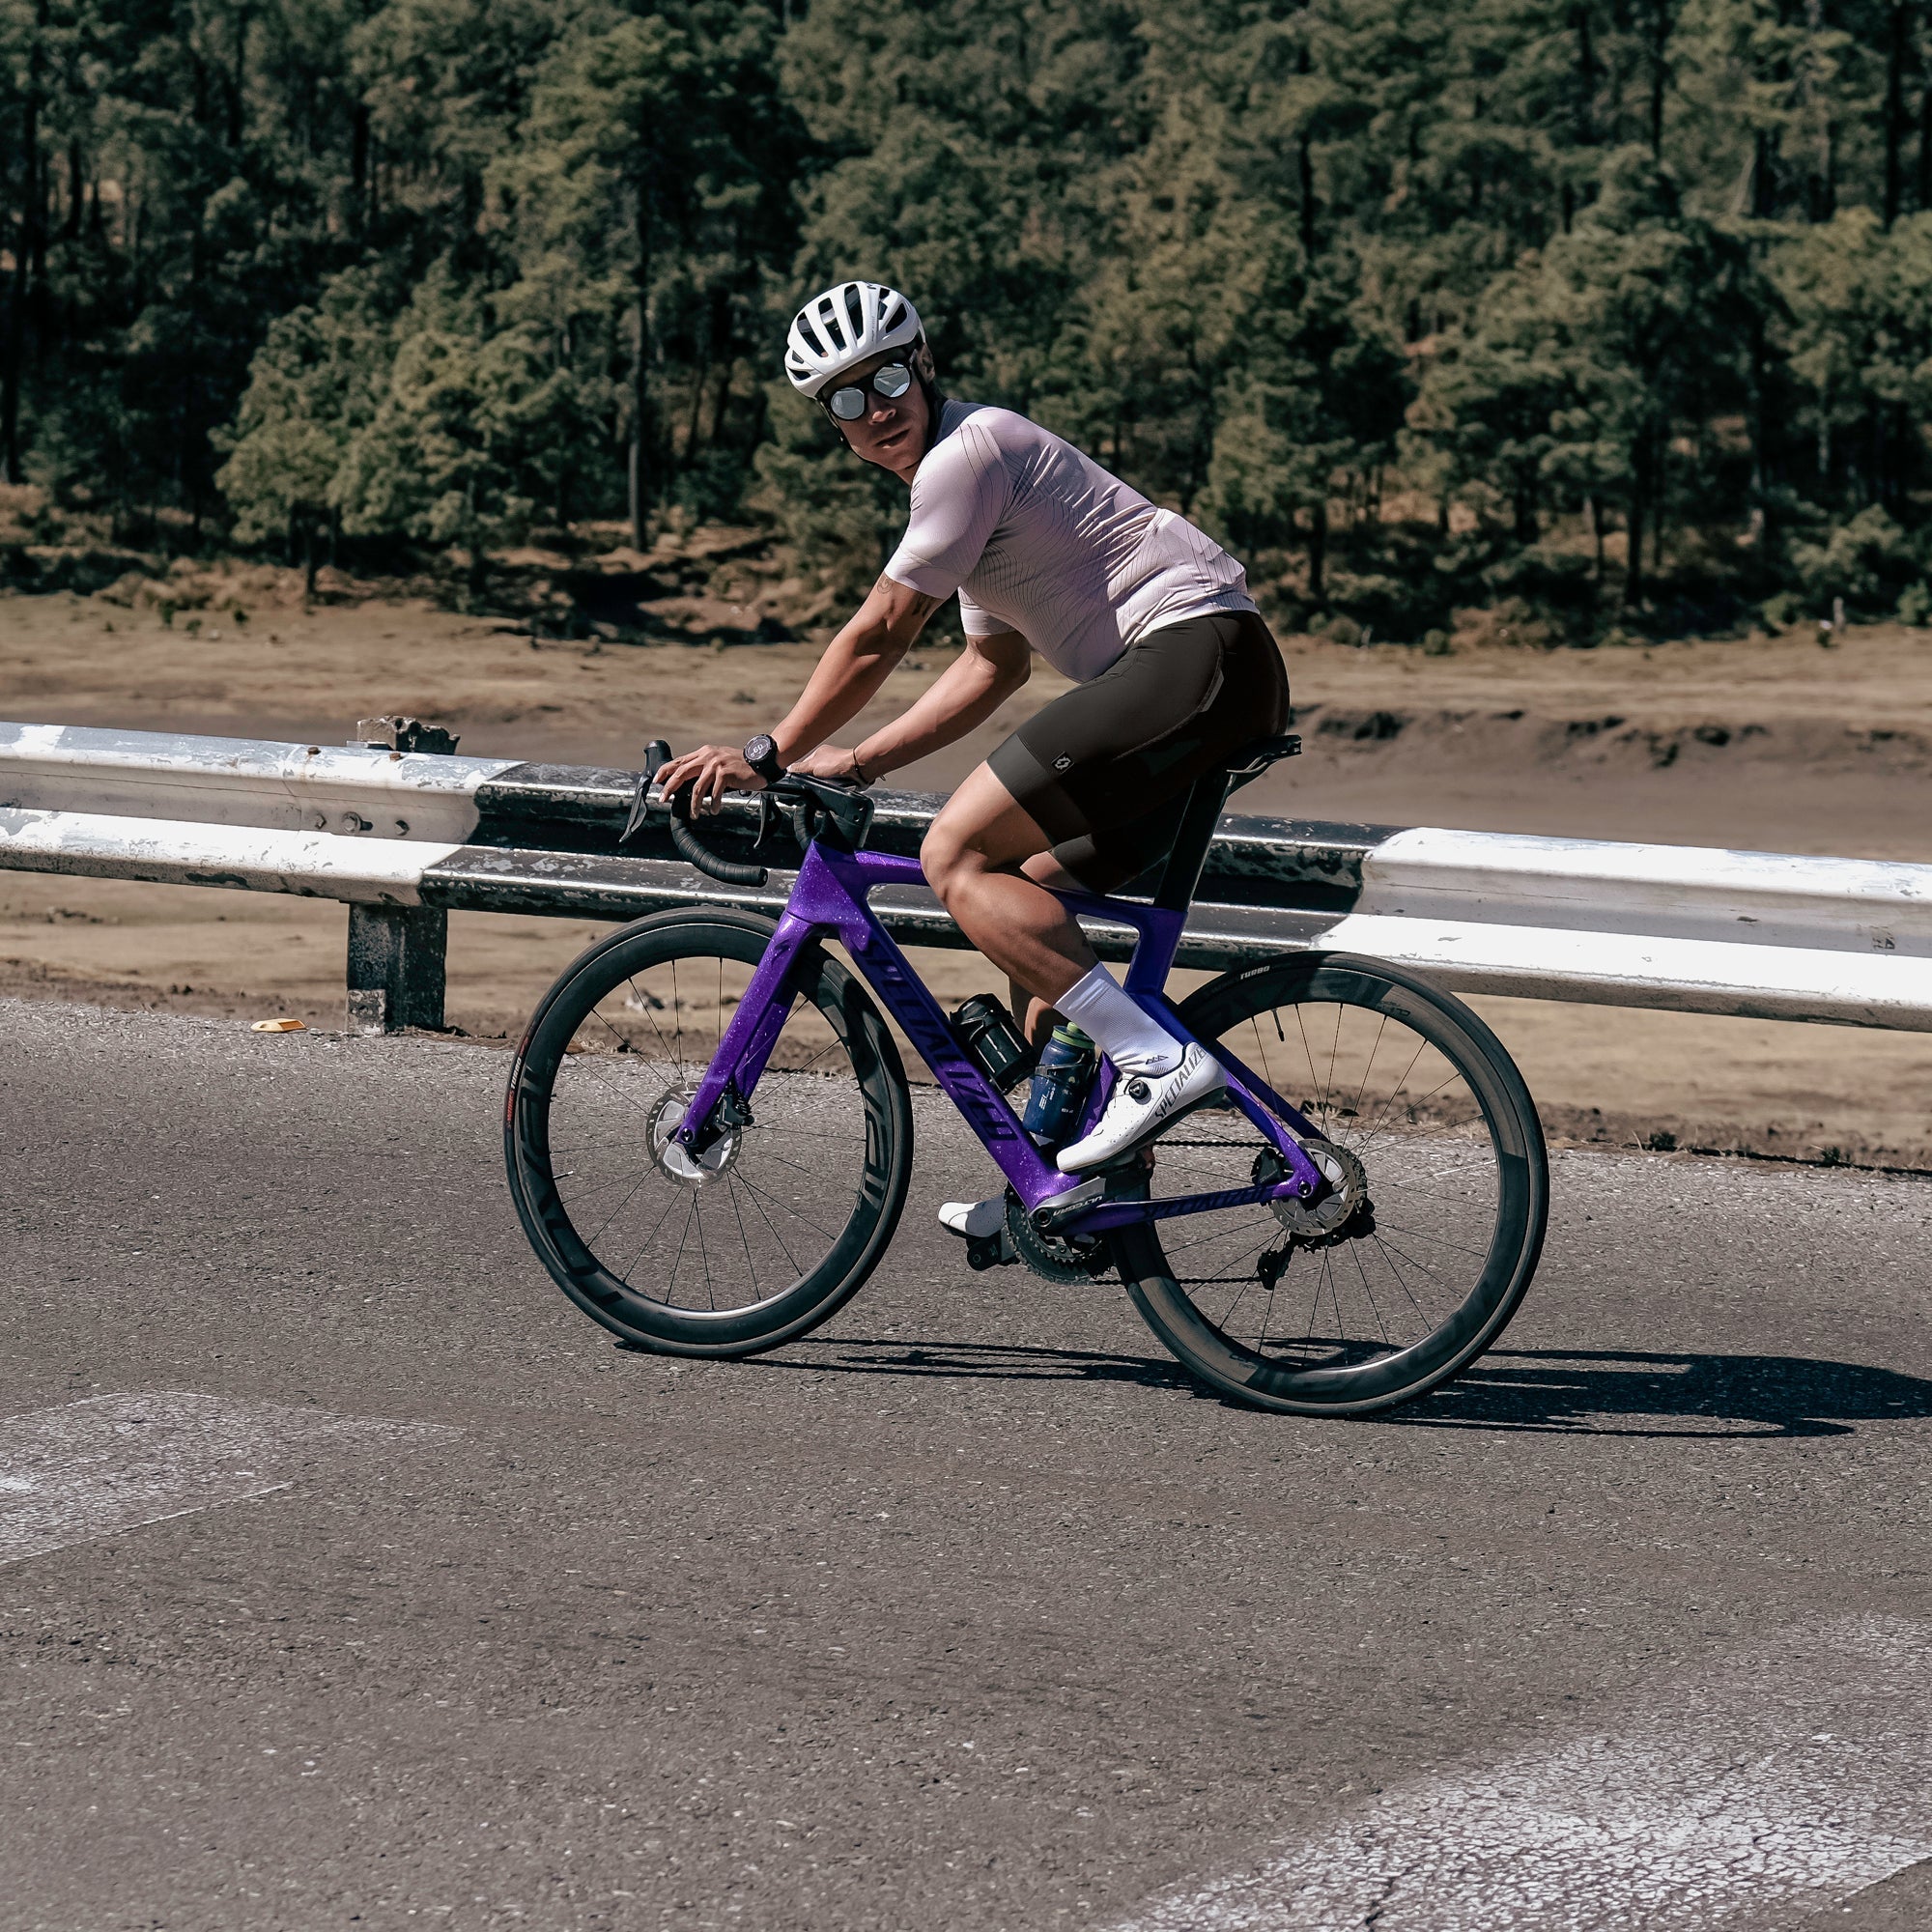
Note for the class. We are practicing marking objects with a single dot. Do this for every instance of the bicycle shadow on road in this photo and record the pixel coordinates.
(1552, 1391)
(973, 1361)
(1629, 1392)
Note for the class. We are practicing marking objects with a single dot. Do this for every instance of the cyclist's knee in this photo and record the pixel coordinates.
(944, 857)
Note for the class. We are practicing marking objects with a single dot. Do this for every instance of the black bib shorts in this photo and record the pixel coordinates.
(1105, 770)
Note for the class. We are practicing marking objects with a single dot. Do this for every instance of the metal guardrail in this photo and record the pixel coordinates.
(407, 837)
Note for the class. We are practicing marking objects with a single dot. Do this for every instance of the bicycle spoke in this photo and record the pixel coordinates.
(1427, 1234)
(784, 1207)
(1355, 1252)
(670, 1204)
(703, 1252)
(611, 1087)
(1412, 1259)
(684, 1236)
(759, 1211)
(1382, 1028)
(620, 1207)
(642, 1002)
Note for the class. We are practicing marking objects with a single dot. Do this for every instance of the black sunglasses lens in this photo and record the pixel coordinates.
(893, 381)
(847, 405)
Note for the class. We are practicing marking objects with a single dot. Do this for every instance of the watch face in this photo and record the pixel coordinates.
(760, 751)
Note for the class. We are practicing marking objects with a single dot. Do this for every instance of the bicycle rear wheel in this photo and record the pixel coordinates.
(773, 1227)
(1415, 1262)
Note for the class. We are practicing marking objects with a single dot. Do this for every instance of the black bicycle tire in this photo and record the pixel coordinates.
(881, 1188)
(1522, 1212)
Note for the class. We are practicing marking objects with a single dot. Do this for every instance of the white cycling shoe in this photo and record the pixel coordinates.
(1142, 1104)
(974, 1220)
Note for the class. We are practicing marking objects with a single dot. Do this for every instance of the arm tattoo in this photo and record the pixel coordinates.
(922, 606)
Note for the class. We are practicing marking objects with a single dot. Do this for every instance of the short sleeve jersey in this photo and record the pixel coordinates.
(1037, 538)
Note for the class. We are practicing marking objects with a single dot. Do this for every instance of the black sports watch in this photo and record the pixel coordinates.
(761, 754)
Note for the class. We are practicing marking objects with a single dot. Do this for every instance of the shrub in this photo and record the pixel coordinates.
(1868, 562)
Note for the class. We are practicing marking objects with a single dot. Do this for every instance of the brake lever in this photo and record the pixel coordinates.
(768, 815)
(657, 755)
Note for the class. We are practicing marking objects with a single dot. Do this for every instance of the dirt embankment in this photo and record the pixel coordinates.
(1767, 743)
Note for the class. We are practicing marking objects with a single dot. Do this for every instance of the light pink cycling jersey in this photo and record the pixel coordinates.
(1037, 538)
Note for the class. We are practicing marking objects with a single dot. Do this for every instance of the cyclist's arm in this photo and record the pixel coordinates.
(856, 664)
(967, 692)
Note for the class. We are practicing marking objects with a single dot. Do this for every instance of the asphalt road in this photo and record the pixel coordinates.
(968, 1612)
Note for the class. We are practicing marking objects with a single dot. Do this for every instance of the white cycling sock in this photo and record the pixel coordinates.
(1100, 1006)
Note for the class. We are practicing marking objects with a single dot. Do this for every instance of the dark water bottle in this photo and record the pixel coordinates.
(986, 1031)
(1060, 1083)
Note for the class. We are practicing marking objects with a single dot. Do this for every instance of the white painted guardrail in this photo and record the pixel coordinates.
(1765, 933)
(404, 838)
(356, 791)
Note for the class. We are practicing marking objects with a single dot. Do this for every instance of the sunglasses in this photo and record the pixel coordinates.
(891, 382)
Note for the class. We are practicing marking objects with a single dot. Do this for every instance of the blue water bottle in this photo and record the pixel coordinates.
(1060, 1083)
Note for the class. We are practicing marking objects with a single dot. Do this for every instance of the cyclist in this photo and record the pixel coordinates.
(1171, 665)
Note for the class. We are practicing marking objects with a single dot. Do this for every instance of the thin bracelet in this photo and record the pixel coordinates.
(859, 770)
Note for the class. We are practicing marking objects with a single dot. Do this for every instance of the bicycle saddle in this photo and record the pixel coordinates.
(1254, 759)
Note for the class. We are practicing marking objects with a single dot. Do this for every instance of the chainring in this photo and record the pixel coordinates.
(1054, 1257)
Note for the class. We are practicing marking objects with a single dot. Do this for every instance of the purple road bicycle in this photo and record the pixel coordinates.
(709, 1134)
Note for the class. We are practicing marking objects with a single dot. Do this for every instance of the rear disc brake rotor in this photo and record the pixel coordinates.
(1340, 1214)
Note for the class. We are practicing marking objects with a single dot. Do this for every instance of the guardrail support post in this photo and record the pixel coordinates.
(395, 967)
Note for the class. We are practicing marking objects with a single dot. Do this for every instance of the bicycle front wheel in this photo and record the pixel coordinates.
(1414, 1261)
(771, 1229)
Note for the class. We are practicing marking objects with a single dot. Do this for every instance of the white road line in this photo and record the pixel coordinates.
(1789, 1777)
(115, 1461)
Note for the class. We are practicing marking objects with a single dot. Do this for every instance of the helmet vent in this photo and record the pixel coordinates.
(829, 319)
(843, 325)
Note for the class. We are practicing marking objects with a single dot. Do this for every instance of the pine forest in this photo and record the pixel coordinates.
(1614, 314)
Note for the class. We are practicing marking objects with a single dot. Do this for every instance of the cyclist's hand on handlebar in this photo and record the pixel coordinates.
(710, 770)
(829, 761)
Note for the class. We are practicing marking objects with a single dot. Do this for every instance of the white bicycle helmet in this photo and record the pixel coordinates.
(844, 325)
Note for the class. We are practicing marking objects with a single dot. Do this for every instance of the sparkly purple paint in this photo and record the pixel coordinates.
(828, 900)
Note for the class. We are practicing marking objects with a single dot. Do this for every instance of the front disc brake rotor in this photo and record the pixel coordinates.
(674, 1158)
(1342, 1213)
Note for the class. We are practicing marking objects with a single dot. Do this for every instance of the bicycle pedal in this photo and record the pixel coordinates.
(991, 1251)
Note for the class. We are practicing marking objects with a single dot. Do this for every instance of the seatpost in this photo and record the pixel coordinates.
(1189, 852)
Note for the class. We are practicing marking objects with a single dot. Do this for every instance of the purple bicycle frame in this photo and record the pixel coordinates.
(829, 900)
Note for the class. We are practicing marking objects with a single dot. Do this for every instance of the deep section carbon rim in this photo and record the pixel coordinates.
(1414, 1261)
(765, 1231)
